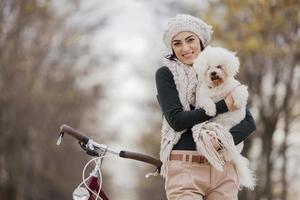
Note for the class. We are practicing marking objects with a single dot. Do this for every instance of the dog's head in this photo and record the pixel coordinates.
(215, 64)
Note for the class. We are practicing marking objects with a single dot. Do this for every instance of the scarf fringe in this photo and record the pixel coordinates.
(169, 139)
(165, 157)
(185, 80)
(205, 147)
(202, 135)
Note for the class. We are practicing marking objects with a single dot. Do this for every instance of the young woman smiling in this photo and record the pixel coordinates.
(188, 175)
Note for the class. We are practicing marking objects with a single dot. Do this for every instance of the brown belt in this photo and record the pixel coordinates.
(186, 158)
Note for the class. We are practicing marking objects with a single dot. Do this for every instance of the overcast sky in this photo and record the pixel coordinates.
(134, 36)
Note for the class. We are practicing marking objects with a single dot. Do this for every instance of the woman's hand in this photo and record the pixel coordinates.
(214, 142)
(229, 102)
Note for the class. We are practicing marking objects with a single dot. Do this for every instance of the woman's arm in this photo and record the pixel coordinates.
(242, 130)
(171, 106)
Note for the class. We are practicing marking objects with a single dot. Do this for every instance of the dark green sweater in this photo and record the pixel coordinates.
(179, 120)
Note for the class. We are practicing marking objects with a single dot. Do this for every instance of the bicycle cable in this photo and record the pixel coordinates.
(96, 160)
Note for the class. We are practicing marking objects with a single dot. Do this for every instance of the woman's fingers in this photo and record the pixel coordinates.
(229, 102)
(214, 142)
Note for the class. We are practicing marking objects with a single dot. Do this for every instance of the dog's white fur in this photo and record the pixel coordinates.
(207, 94)
(224, 65)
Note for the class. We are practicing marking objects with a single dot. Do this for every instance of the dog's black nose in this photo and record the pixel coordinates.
(213, 73)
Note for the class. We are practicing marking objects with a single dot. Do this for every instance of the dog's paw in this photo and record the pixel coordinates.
(240, 96)
(210, 110)
(208, 106)
(239, 103)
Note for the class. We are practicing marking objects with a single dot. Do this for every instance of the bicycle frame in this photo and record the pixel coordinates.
(93, 184)
(99, 150)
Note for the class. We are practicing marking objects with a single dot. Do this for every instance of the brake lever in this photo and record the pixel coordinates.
(59, 140)
(88, 150)
(156, 173)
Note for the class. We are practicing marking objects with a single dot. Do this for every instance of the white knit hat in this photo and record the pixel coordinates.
(184, 22)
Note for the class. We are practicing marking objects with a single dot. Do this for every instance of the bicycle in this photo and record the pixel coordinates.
(92, 189)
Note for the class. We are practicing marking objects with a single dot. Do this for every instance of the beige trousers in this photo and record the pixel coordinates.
(187, 180)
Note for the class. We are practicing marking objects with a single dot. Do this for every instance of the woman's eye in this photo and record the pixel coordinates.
(190, 40)
(176, 44)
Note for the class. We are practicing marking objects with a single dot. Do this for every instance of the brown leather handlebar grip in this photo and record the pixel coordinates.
(74, 133)
(141, 157)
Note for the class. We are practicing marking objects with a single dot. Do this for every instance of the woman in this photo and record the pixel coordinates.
(188, 174)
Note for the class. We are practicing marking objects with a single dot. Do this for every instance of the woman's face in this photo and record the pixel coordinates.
(186, 46)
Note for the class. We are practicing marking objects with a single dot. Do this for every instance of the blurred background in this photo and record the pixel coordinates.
(91, 64)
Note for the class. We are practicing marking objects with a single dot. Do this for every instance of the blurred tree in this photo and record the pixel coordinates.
(41, 46)
(266, 36)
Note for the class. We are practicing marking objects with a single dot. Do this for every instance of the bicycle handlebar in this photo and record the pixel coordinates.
(124, 154)
(74, 133)
(141, 157)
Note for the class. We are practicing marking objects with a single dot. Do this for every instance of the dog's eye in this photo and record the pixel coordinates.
(219, 66)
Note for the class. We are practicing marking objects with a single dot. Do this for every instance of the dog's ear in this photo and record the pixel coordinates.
(230, 61)
(233, 63)
(200, 65)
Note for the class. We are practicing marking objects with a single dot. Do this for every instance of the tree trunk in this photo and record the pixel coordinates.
(269, 165)
(269, 128)
(284, 170)
(284, 148)
(244, 194)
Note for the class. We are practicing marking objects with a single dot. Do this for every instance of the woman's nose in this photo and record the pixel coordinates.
(185, 47)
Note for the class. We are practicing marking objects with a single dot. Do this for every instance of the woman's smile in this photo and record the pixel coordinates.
(186, 47)
(188, 55)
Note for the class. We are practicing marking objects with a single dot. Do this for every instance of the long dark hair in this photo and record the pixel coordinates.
(173, 57)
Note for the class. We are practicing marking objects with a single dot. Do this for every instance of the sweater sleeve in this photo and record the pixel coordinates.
(171, 106)
(242, 130)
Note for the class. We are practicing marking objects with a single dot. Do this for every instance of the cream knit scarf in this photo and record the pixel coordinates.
(185, 79)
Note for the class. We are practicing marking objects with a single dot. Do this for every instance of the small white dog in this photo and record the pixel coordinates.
(216, 68)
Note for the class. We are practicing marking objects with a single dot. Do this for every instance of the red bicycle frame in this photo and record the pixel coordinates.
(93, 184)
